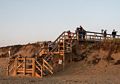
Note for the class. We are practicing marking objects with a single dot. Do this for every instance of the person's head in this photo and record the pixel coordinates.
(68, 31)
(102, 29)
(77, 28)
(81, 26)
(113, 30)
(105, 30)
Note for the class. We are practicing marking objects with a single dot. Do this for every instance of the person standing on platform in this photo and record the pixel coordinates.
(81, 33)
(105, 34)
(50, 45)
(114, 33)
(102, 31)
(77, 33)
(84, 34)
(69, 34)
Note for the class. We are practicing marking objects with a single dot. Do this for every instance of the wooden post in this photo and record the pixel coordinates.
(24, 66)
(43, 64)
(64, 53)
(15, 73)
(33, 67)
(8, 70)
(41, 72)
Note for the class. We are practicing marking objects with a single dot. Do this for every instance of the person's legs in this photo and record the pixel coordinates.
(113, 36)
(77, 36)
(80, 36)
(84, 35)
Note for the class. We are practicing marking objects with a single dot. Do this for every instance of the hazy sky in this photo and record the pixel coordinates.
(24, 21)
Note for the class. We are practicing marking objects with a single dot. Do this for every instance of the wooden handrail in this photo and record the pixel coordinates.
(64, 36)
(47, 66)
(48, 69)
(54, 43)
(20, 64)
(59, 37)
(100, 33)
(40, 69)
(38, 63)
(11, 68)
(44, 61)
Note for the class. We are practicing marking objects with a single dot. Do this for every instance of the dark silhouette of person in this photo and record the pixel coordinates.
(84, 34)
(50, 45)
(69, 34)
(102, 31)
(77, 33)
(114, 33)
(105, 33)
(81, 32)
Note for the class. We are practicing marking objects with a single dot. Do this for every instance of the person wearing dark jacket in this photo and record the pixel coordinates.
(105, 33)
(77, 33)
(114, 33)
(81, 32)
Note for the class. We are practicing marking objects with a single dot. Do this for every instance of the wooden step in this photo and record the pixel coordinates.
(26, 71)
(37, 75)
(38, 68)
(23, 71)
(28, 63)
(48, 69)
(26, 75)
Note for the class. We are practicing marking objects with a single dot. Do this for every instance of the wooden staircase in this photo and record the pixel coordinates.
(33, 67)
(62, 45)
(28, 67)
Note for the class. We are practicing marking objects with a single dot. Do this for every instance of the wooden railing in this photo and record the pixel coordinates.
(47, 66)
(90, 36)
(20, 67)
(100, 35)
(96, 36)
(39, 68)
(11, 67)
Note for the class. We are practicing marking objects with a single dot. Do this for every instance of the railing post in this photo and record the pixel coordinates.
(64, 54)
(41, 71)
(24, 66)
(43, 64)
(33, 67)
(8, 70)
(15, 73)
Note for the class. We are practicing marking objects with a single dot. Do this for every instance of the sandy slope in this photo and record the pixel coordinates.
(100, 66)
(77, 73)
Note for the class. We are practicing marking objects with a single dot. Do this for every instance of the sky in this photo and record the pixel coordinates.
(27, 21)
